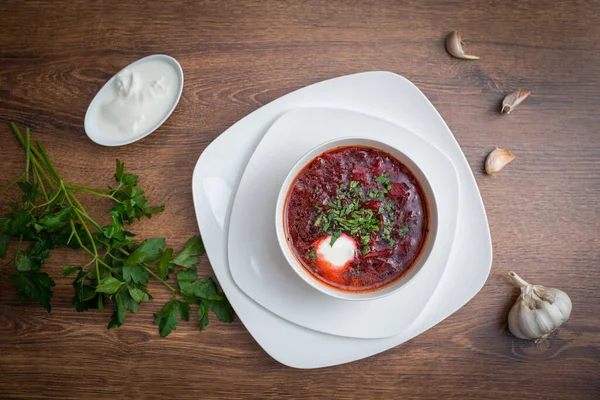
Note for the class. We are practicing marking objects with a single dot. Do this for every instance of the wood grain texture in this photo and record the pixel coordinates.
(239, 55)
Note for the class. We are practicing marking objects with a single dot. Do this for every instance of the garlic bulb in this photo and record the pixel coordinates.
(538, 311)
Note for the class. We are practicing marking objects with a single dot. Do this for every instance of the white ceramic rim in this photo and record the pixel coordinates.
(432, 211)
(89, 129)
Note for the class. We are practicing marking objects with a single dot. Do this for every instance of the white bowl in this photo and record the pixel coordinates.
(284, 243)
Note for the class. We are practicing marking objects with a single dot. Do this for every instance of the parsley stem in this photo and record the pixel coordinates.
(91, 261)
(33, 151)
(42, 186)
(83, 212)
(160, 279)
(49, 201)
(91, 191)
(80, 214)
(47, 162)
(5, 188)
(95, 258)
(114, 257)
(43, 172)
(91, 240)
(27, 153)
(71, 235)
(18, 247)
(85, 227)
(105, 265)
(74, 232)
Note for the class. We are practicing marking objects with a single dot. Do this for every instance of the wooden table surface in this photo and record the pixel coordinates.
(237, 56)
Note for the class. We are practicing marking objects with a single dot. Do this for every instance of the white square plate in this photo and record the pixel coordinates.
(257, 264)
(381, 94)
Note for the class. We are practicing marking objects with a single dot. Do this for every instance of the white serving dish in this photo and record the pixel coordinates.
(93, 127)
(260, 269)
(381, 94)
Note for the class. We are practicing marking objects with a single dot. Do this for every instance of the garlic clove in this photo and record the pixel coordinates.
(562, 301)
(497, 160)
(454, 47)
(512, 100)
(515, 323)
(547, 318)
(515, 326)
(528, 323)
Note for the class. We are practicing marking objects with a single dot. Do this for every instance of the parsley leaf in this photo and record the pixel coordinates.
(123, 178)
(166, 319)
(109, 285)
(4, 243)
(404, 230)
(185, 279)
(40, 251)
(205, 288)
(86, 296)
(83, 292)
(222, 309)
(115, 229)
(202, 316)
(57, 219)
(383, 179)
(135, 273)
(34, 285)
(30, 192)
(24, 263)
(118, 316)
(16, 222)
(190, 286)
(189, 255)
(138, 292)
(133, 204)
(69, 270)
(123, 302)
(164, 265)
(335, 237)
(149, 250)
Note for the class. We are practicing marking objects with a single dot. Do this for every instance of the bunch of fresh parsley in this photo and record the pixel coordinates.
(50, 215)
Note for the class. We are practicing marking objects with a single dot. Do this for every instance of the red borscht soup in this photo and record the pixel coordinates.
(356, 218)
